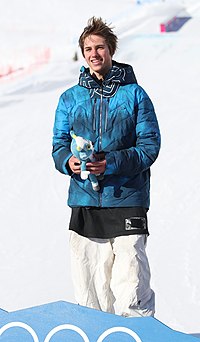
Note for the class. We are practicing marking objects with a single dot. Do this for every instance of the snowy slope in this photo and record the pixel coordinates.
(34, 257)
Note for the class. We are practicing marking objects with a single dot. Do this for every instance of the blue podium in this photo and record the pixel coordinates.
(62, 321)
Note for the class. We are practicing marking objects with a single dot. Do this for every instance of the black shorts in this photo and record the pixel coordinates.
(107, 223)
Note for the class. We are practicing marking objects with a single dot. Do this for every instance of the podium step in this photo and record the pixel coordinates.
(62, 321)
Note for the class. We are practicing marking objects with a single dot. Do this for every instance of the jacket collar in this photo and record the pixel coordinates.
(119, 74)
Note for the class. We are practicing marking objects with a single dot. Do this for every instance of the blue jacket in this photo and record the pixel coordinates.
(119, 118)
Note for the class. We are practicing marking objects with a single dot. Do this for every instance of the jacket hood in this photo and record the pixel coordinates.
(119, 74)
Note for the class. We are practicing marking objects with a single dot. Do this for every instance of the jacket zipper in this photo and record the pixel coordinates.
(100, 119)
(94, 115)
(106, 115)
(100, 133)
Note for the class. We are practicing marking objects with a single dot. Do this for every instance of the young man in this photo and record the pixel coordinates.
(109, 227)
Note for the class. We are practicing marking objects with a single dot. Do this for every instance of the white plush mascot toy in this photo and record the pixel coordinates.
(83, 150)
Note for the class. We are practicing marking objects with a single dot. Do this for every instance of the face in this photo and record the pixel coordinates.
(97, 55)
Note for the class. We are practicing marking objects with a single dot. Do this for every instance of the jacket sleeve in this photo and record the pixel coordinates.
(61, 139)
(140, 157)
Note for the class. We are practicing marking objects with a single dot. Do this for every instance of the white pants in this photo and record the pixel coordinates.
(112, 275)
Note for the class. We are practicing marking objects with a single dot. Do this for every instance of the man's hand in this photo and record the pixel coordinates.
(98, 166)
(75, 165)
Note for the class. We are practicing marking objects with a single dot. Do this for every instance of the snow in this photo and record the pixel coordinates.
(34, 253)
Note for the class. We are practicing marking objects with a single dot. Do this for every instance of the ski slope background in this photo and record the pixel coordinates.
(34, 253)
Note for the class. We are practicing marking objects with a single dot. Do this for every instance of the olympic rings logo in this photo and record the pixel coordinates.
(70, 327)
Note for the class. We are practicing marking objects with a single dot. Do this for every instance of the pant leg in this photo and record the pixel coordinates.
(91, 267)
(131, 277)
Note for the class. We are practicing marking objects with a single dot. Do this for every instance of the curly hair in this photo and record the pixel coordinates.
(96, 26)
